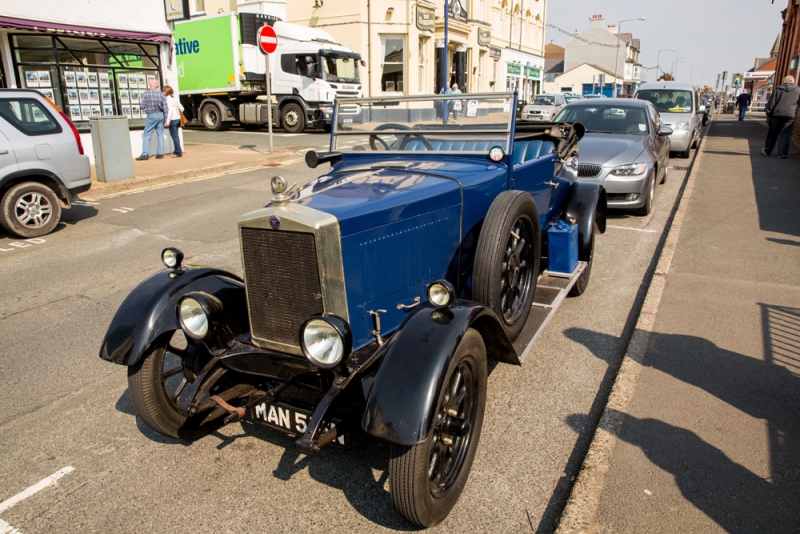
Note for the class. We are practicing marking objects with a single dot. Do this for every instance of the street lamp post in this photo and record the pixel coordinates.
(658, 60)
(616, 55)
(691, 72)
(675, 67)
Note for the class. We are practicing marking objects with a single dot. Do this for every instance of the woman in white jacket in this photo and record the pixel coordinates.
(173, 119)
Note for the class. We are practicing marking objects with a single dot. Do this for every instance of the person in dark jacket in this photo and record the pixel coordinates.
(781, 109)
(743, 100)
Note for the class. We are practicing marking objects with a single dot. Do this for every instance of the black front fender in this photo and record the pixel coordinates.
(150, 309)
(586, 204)
(400, 405)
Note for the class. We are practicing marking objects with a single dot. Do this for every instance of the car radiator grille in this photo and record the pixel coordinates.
(588, 171)
(282, 280)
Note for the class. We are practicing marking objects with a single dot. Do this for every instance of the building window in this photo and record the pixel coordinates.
(392, 64)
(87, 77)
(423, 84)
(199, 7)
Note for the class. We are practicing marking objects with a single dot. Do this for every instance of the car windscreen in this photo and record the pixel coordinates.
(544, 101)
(427, 123)
(339, 69)
(606, 118)
(668, 100)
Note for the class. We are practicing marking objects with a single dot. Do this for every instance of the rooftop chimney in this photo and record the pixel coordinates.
(596, 21)
(613, 29)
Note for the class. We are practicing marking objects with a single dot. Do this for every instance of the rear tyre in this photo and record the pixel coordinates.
(30, 209)
(427, 479)
(293, 119)
(154, 383)
(507, 259)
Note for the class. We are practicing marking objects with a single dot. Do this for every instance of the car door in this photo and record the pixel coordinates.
(8, 160)
(660, 143)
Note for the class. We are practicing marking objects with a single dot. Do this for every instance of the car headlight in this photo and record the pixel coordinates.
(496, 154)
(681, 125)
(326, 340)
(441, 293)
(197, 312)
(629, 170)
(171, 257)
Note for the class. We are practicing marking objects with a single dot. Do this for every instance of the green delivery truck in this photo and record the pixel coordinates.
(222, 73)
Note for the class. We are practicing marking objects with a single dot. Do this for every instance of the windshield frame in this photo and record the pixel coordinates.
(337, 57)
(604, 106)
(671, 105)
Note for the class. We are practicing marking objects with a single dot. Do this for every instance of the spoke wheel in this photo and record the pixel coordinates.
(507, 259)
(156, 381)
(427, 479)
(30, 209)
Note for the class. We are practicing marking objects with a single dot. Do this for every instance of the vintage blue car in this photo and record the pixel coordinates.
(374, 296)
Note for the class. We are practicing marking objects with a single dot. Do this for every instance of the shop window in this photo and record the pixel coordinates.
(392, 64)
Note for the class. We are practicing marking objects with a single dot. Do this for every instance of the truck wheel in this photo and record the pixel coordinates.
(293, 119)
(507, 259)
(154, 383)
(427, 479)
(30, 209)
(211, 117)
(583, 280)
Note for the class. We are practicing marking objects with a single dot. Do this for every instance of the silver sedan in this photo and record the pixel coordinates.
(625, 148)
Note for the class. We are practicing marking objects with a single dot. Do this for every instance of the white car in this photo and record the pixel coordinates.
(544, 107)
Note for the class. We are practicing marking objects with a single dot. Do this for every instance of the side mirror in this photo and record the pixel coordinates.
(664, 130)
(701, 109)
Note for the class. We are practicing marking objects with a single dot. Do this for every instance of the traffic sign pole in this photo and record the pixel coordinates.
(268, 42)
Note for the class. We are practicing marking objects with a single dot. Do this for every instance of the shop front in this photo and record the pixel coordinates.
(523, 74)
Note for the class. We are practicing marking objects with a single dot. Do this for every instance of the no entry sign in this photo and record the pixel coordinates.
(267, 40)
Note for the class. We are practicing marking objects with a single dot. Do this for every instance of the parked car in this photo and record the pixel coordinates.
(595, 95)
(572, 97)
(680, 108)
(543, 107)
(373, 296)
(625, 148)
(42, 163)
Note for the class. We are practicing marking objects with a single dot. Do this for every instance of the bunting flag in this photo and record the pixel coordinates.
(578, 37)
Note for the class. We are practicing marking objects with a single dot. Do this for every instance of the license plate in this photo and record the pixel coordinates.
(347, 121)
(291, 420)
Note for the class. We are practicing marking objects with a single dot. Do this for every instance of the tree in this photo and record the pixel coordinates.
(667, 77)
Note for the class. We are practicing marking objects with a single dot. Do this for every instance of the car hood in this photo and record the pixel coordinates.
(672, 118)
(537, 107)
(610, 149)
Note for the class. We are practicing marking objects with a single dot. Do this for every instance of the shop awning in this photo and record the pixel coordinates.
(80, 31)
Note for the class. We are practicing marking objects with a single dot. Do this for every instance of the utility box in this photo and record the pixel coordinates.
(111, 141)
(562, 247)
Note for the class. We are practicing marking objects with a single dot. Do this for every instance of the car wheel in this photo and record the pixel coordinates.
(211, 117)
(155, 382)
(30, 209)
(507, 259)
(583, 280)
(293, 119)
(685, 153)
(427, 479)
(651, 195)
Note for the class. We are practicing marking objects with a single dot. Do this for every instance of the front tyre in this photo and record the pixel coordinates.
(30, 209)
(507, 259)
(579, 288)
(427, 479)
(154, 383)
(650, 197)
(293, 119)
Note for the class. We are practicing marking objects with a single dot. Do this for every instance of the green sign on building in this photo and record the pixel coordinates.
(516, 70)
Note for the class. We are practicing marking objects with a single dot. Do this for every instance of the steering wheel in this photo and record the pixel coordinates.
(374, 138)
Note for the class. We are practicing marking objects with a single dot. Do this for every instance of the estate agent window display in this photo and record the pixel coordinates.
(87, 77)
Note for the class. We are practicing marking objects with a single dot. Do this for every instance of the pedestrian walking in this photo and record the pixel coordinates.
(154, 104)
(781, 109)
(743, 101)
(455, 104)
(173, 119)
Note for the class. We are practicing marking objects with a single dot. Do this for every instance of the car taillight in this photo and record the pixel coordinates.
(71, 125)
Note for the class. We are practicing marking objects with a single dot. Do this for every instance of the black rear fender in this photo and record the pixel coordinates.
(586, 205)
(151, 310)
(400, 403)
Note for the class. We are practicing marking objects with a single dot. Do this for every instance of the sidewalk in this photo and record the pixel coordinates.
(198, 160)
(702, 429)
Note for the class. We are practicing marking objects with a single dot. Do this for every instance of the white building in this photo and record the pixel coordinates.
(92, 57)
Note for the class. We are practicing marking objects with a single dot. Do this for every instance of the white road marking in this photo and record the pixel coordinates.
(122, 209)
(5, 528)
(85, 203)
(634, 229)
(39, 486)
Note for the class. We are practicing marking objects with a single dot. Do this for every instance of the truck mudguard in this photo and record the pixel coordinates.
(586, 204)
(151, 310)
(401, 400)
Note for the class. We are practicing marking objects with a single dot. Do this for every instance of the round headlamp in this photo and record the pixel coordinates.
(278, 184)
(441, 294)
(197, 312)
(171, 258)
(326, 340)
(496, 154)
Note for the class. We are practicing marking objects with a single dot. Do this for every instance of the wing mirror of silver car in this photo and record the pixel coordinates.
(665, 130)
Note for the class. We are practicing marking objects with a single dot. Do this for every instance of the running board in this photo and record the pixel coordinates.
(551, 290)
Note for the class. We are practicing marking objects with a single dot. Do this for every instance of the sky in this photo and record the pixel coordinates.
(712, 35)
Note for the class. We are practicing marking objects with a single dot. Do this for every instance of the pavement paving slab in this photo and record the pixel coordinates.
(705, 436)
